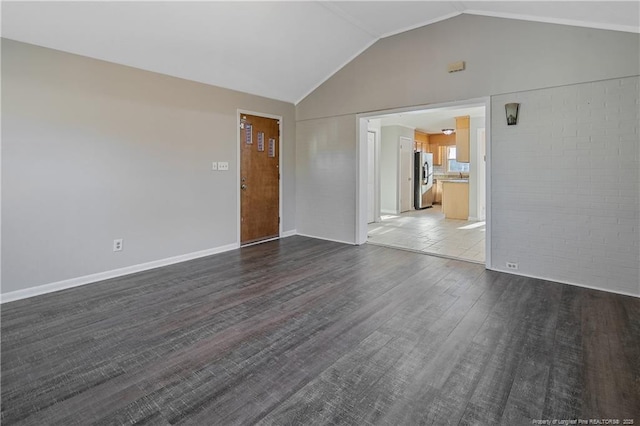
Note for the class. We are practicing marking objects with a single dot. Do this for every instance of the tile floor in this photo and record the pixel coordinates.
(428, 231)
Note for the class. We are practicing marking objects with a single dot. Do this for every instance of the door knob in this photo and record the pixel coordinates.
(243, 187)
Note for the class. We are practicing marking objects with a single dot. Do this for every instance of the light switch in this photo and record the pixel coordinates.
(223, 165)
(214, 165)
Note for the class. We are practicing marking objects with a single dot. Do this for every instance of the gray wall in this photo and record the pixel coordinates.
(325, 173)
(93, 151)
(566, 184)
(502, 56)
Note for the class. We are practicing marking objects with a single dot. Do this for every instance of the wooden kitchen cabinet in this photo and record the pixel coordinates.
(455, 200)
(437, 191)
(462, 139)
(421, 141)
(438, 143)
(436, 150)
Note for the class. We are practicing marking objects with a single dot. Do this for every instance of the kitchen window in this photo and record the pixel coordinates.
(452, 164)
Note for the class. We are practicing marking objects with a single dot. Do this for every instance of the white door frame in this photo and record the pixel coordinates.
(480, 201)
(400, 181)
(361, 165)
(376, 175)
(238, 164)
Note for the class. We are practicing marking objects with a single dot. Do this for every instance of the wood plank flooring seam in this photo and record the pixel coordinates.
(332, 333)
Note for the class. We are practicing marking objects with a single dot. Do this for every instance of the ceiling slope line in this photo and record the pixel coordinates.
(459, 6)
(147, 69)
(421, 24)
(321, 82)
(342, 14)
(559, 21)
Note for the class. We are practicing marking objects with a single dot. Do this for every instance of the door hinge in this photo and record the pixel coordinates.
(278, 220)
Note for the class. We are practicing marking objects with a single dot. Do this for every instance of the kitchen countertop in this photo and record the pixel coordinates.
(454, 180)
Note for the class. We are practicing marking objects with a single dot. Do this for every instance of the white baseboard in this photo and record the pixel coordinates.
(555, 280)
(393, 212)
(351, 243)
(88, 279)
(286, 234)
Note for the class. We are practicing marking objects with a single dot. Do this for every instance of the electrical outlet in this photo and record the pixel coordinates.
(223, 165)
(512, 265)
(117, 244)
(214, 165)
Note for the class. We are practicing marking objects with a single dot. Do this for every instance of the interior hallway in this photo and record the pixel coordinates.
(428, 231)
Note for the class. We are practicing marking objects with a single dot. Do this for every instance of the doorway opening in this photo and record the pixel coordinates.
(450, 183)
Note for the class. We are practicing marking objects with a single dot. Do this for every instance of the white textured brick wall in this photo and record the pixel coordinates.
(565, 184)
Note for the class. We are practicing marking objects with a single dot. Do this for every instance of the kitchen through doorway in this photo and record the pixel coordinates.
(450, 219)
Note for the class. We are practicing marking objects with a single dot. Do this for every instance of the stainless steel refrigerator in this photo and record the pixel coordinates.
(423, 180)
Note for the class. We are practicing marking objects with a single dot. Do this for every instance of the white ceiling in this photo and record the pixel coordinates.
(432, 120)
(281, 50)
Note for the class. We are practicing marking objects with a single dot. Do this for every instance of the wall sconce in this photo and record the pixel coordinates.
(448, 131)
(512, 113)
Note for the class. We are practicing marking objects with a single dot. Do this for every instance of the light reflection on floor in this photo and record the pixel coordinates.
(428, 231)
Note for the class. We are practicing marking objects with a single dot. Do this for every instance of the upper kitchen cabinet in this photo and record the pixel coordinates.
(421, 141)
(438, 143)
(462, 139)
(437, 154)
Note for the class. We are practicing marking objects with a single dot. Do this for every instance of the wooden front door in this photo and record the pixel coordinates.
(259, 178)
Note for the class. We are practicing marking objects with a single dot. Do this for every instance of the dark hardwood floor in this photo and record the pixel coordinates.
(303, 331)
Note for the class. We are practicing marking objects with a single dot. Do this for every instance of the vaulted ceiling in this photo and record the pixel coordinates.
(280, 50)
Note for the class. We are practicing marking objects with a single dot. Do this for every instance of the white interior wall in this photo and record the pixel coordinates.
(389, 170)
(374, 125)
(474, 124)
(481, 150)
(566, 184)
(534, 56)
(94, 151)
(326, 178)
